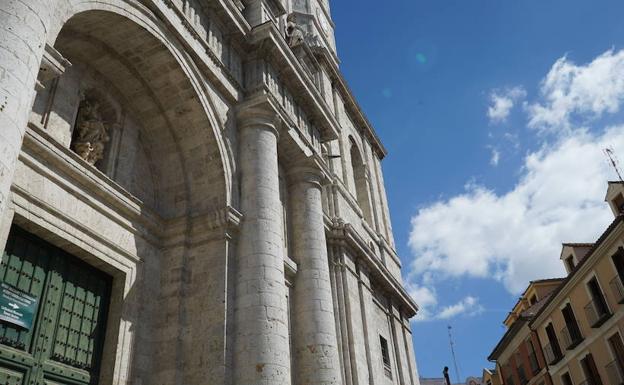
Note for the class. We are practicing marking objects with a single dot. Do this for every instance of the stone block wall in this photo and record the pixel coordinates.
(184, 209)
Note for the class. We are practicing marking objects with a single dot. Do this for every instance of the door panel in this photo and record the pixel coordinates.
(11, 377)
(64, 344)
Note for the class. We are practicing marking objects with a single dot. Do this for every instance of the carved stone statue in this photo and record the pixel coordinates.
(294, 33)
(92, 137)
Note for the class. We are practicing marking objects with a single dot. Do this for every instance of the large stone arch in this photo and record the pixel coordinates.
(183, 276)
(149, 66)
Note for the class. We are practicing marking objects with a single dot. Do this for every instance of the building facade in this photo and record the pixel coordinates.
(579, 326)
(582, 325)
(190, 194)
(518, 355)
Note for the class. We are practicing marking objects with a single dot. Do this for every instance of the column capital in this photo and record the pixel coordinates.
(306, 174)
(258, 117)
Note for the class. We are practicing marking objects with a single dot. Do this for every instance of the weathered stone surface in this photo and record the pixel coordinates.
(222, 274)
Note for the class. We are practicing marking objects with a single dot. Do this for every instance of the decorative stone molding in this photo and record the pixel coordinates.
(344, 234)
(52, 66)
(258, 116)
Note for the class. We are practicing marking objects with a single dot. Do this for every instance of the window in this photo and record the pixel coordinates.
(520, 369)
(617, 283)
(533, 300)
(615, 369)
(360, 181)
(570, 263)
(509, 378)
(385, 355)
(566, 379)
(552, 350)
(590, 370)
(532, 357)
(596, 310)
(571, 333)
(619, 202)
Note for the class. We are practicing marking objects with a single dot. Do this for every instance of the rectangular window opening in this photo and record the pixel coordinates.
(385, 355)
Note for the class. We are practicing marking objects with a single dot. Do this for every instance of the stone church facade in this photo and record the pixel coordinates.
(190, 194)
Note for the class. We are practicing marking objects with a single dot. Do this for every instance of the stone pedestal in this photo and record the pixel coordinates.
(313, 324)
(23, 29)
(261, 351)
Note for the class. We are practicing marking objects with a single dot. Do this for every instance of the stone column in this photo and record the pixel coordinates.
(23, 29)
(261, 351)
(315, 346)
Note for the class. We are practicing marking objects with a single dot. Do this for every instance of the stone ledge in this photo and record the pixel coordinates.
(344, 234)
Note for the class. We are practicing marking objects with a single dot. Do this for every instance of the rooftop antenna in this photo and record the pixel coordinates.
(613, 161)
(453, 353)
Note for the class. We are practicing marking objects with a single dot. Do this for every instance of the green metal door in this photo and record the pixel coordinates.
(63, 345)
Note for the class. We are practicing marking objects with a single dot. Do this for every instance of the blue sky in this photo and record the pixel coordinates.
(495, 114)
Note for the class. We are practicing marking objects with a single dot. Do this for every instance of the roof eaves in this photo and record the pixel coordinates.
(595, 246)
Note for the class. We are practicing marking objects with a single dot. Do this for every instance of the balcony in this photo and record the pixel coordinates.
(617, 289)
(552, 355)
(595, 316)
(614, 373)
(571, 337)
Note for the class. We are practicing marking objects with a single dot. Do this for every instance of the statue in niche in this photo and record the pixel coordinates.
(91, 132)
(294, 33)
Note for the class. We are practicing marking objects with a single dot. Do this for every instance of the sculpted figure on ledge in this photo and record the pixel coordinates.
(92, 132)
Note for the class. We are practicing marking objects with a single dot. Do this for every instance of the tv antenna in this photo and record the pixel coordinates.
(452, 344)
(613, 161)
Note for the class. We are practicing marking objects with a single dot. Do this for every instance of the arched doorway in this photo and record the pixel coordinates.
(128, 143)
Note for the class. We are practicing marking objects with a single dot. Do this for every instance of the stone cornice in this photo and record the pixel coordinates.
(298, 146)
(268, 40)
(56, 157)
(206, 59)
(201, 228)
(229, 9)
(344, 234)
(118, 204)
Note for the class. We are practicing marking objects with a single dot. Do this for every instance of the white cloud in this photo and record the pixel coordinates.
(503, 102)
(469, 306)
(495, 158)
(515, 236)
(427, 301)
(585, 92)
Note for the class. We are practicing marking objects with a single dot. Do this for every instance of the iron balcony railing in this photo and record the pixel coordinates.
(614, 373)
(552, 355)
(595, 316)
(571, 337)
(617, 288)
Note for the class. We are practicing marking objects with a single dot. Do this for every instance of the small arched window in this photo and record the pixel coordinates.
(360, 181)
